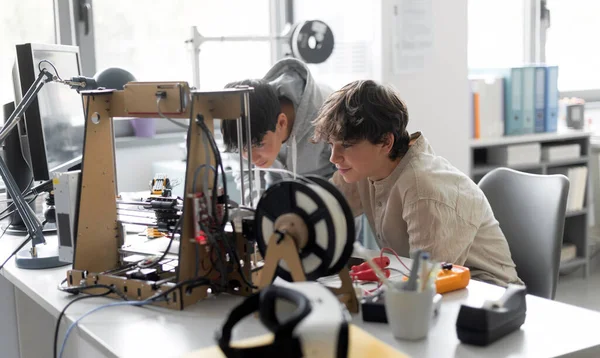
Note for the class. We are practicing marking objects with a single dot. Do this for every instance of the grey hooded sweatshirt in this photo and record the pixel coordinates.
(291, 78)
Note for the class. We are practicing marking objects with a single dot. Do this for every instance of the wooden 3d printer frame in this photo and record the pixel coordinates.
(98, 238)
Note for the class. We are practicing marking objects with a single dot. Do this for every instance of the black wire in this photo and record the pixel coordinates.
(63, 312)
(219, 165)
(4, 216)
(171, 241)
(25, 193)
(52, 65)
(237, 260)
(16, 250)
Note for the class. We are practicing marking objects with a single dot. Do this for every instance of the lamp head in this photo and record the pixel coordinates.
(113, 78)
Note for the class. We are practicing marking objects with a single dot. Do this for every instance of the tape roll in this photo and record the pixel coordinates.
(326, 215)
(312, 41)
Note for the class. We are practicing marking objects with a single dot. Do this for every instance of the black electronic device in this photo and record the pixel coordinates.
(484, 325)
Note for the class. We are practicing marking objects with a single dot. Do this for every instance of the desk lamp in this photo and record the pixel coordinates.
(40, 257)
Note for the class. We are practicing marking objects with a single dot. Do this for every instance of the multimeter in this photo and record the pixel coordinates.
(452, 278)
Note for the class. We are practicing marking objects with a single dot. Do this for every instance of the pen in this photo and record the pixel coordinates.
(411, 284)
(424, 270)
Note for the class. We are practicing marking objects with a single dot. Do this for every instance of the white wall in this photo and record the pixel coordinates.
(437, 96)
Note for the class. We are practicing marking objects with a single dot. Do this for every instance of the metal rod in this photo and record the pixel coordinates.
(241, 150)
(241, 38)
(248, 134)
(17, 114)
(33, 225)
(195, 57)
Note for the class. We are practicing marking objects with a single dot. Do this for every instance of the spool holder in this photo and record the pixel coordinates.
(285, 244)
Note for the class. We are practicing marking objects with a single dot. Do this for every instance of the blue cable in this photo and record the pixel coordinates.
(74, 324)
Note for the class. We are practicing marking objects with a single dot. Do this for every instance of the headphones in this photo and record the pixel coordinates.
(285, 343)
(317, 326)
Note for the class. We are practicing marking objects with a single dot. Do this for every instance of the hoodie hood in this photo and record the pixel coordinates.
(291, 78)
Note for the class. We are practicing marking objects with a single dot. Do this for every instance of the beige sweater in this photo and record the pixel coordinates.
(428, 204)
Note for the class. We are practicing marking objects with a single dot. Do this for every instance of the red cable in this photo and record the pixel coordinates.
(390, 250)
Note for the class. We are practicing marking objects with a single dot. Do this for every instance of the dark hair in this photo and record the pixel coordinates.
(264, 110)
(364, 110)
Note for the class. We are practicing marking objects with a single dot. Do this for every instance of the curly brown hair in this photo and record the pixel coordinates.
(364, 110)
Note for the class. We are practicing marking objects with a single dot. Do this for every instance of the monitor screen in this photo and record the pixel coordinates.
(54, 123)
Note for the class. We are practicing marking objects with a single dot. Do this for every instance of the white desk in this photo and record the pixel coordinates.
(551, 329)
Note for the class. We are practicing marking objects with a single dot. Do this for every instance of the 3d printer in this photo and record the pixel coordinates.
(303, 228)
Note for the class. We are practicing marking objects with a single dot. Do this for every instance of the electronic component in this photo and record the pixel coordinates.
(66, 189)
(452, 278)
(160, 185)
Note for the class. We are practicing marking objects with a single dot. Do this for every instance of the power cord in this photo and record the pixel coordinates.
(64, 310)
(193, 283)
(159, 96)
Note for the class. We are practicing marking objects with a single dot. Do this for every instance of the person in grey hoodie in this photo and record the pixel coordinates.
(282, 107)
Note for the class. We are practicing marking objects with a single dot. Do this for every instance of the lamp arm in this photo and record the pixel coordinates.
(34, 227)
(32, 92)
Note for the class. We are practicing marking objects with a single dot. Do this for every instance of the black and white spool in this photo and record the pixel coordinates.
(312, 41)
(328, 219)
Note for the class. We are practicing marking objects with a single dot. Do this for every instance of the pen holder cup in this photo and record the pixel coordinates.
(409, 313)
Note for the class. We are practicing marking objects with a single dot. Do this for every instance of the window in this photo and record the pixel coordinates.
(571, 44)
(496, 33)
(147, 38)
(21, 21)
(351, 58)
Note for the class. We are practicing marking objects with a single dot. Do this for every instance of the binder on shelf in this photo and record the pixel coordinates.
(540, 99)
(488, 106)
(476, 116)
(513, 113)
(528, 100)
(552, 96)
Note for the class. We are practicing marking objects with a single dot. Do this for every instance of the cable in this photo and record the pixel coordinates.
(114, 304)
(171, 241)
(16, 250)
(51, 65)
(237, 261)
(219, 165)
(64, 310)
(193, 283)
(390, 250)
(158, 99)
(197, 171)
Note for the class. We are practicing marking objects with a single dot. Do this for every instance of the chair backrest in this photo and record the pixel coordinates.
(531, 211)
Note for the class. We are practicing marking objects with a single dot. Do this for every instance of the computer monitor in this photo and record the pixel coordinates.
(53, 127)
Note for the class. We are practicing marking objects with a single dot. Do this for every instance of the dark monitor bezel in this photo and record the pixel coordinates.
(31, 132)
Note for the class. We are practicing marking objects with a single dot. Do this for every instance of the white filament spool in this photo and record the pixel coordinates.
(321, 211)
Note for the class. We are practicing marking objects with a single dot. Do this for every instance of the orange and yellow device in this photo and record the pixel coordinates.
(452, 278)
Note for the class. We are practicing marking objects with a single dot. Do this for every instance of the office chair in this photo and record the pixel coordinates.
(531, 211)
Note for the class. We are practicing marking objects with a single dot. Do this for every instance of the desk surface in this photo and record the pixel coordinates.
(551, 328)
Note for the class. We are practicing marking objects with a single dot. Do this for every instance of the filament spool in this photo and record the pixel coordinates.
(327, 218)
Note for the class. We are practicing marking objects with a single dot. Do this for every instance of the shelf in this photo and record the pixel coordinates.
(483, 169)
(576, 262)
(564, 162)
(570, 214)
(563, 134)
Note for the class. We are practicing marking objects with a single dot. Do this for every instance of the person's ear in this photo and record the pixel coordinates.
(282, 123)
(388, 143)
